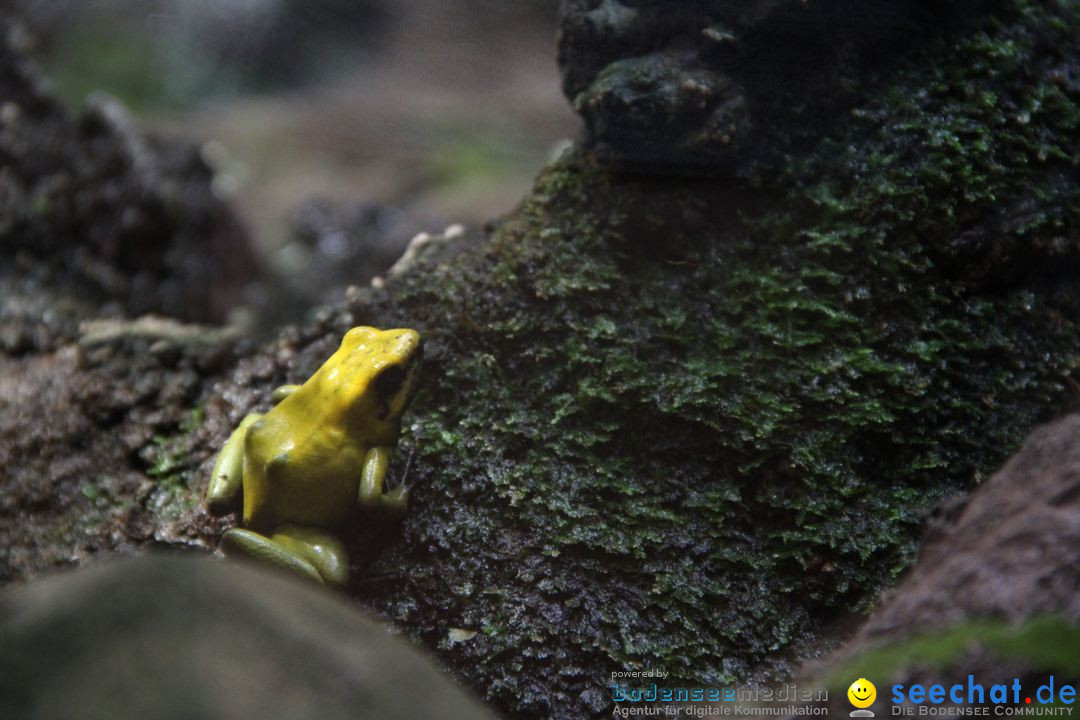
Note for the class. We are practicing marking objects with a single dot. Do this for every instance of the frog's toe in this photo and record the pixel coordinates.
(226, 479)
(396, 500)
(251, 544)
(282, 392)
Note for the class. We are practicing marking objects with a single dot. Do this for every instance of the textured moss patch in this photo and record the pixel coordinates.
(679, 424)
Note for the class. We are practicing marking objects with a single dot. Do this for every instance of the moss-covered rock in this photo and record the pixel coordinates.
(680, 424)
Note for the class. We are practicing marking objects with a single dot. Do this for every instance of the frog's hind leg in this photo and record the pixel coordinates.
(300, 550)
(240, 542)
(228, 474)
(324, 551)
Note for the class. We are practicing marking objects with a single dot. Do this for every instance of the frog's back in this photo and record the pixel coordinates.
(310, 480)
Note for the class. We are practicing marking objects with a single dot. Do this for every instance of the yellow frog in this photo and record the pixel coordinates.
(323, 449)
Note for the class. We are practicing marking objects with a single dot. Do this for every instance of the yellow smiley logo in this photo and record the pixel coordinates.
(862, 693)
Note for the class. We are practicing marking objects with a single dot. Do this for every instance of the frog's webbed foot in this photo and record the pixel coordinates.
(227, 476)
(372, 492)
(302, 551)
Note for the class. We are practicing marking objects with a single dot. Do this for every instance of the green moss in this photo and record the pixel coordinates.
(682, 423)
(174, 470)
(86, 58)
(1042, 644)
(165, 461)
(131, 62)
(194, 420)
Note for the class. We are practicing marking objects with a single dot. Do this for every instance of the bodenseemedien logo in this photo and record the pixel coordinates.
(862, 694)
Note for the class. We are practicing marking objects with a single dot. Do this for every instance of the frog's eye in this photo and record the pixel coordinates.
(389, 381)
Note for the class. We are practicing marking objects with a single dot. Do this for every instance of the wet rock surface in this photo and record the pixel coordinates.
(85, 467)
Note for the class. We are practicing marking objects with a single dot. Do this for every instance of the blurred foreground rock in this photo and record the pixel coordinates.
(181, 636)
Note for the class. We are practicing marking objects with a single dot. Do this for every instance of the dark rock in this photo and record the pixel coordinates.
(705, 86)
(93, 213)
(664, 108)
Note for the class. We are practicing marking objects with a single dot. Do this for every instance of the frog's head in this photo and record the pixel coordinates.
(374, 373)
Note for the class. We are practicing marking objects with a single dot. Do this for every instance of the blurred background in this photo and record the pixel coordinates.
(337, 129)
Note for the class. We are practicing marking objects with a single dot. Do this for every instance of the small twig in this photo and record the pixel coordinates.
(408, 464)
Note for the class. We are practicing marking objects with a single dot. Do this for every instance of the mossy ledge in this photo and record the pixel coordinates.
(681, 424)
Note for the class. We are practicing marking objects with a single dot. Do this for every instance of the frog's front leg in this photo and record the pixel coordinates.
(281, 392)
(372, 479)
(300, 550)
(226, 480)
